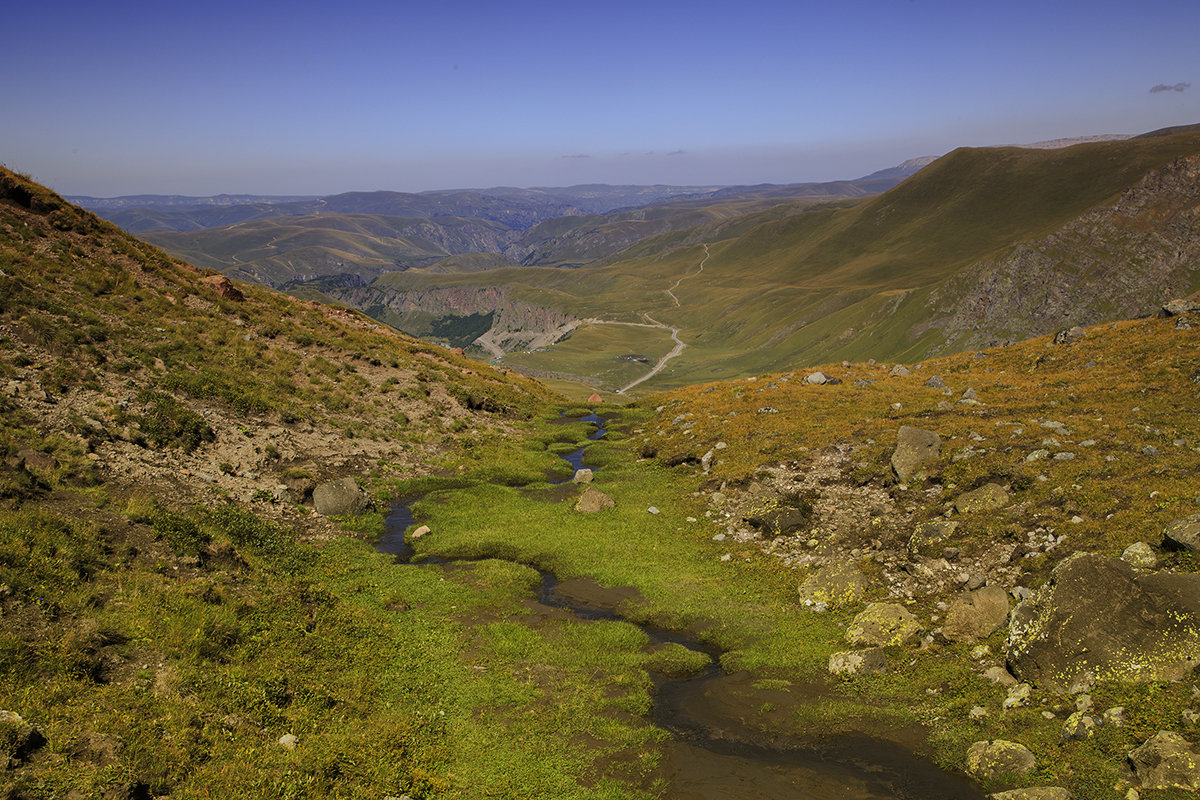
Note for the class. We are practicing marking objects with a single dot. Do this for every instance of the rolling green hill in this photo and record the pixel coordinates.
(1109, 225)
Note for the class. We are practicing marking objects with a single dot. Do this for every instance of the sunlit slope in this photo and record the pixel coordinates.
(844, 281)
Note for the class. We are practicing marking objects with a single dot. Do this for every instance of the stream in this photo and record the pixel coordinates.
(719, 749)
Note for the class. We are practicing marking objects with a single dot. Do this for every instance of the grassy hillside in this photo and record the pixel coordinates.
(864, 279)
(179, 620)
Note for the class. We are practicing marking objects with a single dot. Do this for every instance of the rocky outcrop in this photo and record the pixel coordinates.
(1116, 261)
(1099, 615)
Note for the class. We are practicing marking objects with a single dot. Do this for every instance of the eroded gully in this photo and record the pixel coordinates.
(723, 744)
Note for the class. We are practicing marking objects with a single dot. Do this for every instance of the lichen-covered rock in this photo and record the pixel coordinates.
(1033, 793)
(1079, 726)
(340, 497)
(583, 475)
(989, 497)
(929, 537)
(1166, 761)
(1140, 555)
(913, 448)
(883, 625)
(1100, 616)
(999, 758)
(1183, 534)
(976, 615)
(837, 584)
(870, 661)
(593, 500)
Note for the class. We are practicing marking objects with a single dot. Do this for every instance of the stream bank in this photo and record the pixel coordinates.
(731, 737)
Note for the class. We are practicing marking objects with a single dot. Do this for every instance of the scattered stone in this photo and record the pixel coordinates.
(1149, 450)
(1000, 675)
(340, 497)
(582, 476)
(935, 382)
(989, 497)
(1183, 534)
(969, 397)
(653, 510)
(913, 447)
(223, 287)
(1083, 703)
(1140, 555)
(817, 378)
(900, 370)
(977, 712)
(1078, 727)
(288, 741)
(1189, 716)
(1070, 335)
(1018, 696)
(419, 532)
(976, 615)
(1098, 615)
(1166, 761)
(837, 584)
(871, 661)
(1038, 455)
(1115, 716)
(593, 500)
(999, 758)
(927, 537)
(1033, 793)
(883, 625)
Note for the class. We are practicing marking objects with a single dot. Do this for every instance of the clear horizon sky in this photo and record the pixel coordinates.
(315, 98)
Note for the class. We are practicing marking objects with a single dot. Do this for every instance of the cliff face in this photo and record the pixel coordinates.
(1117, 261)
(515, 323)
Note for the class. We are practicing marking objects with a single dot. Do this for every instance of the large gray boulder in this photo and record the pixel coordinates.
(1100, 615)
(913, 448)
(1166, 761)
(340, 497)
(976, 615)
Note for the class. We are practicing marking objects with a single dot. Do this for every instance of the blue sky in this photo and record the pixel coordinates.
(317, 98)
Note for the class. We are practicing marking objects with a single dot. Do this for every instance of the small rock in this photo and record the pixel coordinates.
(1000, 675)
(1037, 455)
(935, 382)
(1078, 727)
(1140, 555)
(1083, 703)
(582, 476)
(419, 532)
(871, 661)
(989, 497)
(653, 510)
(1149, 450)
(593, 500)
(913, 447)
(1189, 716)
(1033, 793)
(883, 625)
(1115, 716)
(999, 758)
(340, 497)
(900, 370)
(1018, 696)
(817, 378)
(1070, 335)
(288, 741)
(977, 712)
